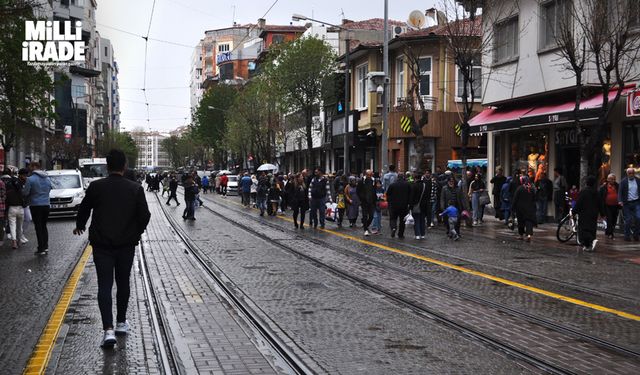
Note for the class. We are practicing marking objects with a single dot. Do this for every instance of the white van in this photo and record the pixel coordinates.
(67, 191)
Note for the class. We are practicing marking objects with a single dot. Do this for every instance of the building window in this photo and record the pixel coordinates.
(552, 13)
(424, 63)
(277, 39)
(506, 41)
(476, 78)
(400, 90)
(362, 99)
(106, 52)
(223, 48)
(78, 91)
(634, 14)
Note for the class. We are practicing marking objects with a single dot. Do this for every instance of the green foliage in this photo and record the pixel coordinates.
(121, 141)
(24, 90)
(301, 71)
(210, 116)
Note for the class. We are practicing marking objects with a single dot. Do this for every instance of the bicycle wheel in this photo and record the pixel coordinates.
(565, 230)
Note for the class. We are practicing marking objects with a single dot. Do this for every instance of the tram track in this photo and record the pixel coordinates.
(166, 352)
(287, 358)
(546, 323)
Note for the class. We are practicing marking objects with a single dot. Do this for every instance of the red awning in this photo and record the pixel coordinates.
(515, 117)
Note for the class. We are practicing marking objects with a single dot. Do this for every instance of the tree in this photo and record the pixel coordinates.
(25, 90)
(210, 117)
(467, 42)
(600, 36)
(173, 148)
(299, 70)
(121, 141)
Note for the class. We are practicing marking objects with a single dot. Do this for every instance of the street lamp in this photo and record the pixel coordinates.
(345, 146)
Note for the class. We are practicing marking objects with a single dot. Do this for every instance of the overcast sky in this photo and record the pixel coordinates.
(184, 22)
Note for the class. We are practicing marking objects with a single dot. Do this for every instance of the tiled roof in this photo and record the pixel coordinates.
(371, 24)
(462, 27)
(284, 28)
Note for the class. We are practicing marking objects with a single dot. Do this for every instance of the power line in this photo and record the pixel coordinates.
(154, 88)
(253, 27)
(147, 37)
(154, 104)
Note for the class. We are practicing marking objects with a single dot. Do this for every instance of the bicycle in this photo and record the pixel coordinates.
(568, 226)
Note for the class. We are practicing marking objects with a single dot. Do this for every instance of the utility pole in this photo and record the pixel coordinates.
(347, 86)
(385, 94)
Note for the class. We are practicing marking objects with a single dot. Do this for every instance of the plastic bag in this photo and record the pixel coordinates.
(408, 220)
(331, 211)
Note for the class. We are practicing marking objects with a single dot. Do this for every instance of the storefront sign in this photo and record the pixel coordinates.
(633, 104)
(567, 137)
(223, 57)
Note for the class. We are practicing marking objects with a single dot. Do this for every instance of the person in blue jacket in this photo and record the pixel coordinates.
(36, 190)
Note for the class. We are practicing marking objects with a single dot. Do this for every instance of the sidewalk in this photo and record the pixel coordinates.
(545, 235)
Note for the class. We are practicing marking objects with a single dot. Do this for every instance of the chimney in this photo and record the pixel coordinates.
(432, 18)
(262, 23)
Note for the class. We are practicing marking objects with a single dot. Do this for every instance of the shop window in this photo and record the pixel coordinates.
(631, 147)
(529, 153)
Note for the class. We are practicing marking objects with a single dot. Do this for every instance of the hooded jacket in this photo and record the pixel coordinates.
(37, 189)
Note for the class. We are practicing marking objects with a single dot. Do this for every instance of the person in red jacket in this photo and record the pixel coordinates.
(224, 180)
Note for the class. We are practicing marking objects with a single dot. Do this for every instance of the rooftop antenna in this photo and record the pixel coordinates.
(342, 12)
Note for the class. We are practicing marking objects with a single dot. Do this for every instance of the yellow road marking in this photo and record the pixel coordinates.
(469, 271)
(42, 352)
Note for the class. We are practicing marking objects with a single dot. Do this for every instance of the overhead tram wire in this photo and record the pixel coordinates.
(253, 27)
(149, 38)
(146, 48)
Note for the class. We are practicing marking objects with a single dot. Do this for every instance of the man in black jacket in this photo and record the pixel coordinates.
(120, 216)
(398, 196)
(173, 188)
(367, 193)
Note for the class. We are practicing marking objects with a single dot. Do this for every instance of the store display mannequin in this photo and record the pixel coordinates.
(533, 158)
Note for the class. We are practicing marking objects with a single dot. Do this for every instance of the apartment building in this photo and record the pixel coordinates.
(151, 153)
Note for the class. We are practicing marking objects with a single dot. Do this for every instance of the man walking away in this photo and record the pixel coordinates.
(190, 195)
(389, 177)
(523, 205)
(367, 193)
(224, 180)
(37, 190)
(173, 188)
(319, 192)
(588, 207)
(261, 193)
(15, 207)
(398, 196)
(498, 180)
(245, 186)
(629, 199)
(544, 195)
(119, 215)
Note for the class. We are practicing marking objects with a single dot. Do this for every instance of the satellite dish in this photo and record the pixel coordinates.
(416, 20)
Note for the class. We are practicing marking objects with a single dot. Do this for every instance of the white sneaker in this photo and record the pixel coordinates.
(122, 328)
(422, 237)
(366, 233)
(23, 240)
(417, 237)
(109, 339)
(593, 245)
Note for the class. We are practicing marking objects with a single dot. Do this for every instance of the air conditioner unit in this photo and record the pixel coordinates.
(397, 30)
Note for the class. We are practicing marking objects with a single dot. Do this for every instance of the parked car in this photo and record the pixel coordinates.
(67, 191)
(232, 185)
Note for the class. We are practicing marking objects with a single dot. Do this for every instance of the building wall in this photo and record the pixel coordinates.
(151, 154)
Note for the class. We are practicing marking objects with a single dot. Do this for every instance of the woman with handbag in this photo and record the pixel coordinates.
(478, 195)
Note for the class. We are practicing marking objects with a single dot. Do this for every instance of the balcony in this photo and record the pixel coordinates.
(403, 104)
(83, 70)
(99, 101)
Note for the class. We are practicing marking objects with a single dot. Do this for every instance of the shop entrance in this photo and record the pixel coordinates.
(569, 162)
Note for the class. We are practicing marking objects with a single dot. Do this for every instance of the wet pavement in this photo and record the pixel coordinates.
(31, 286)
(338, 301)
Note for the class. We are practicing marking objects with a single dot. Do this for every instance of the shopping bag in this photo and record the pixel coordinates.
(331, 211)
(484, 199)
(408, 220)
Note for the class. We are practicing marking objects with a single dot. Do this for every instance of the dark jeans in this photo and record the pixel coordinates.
(298, 210)
(497, 205)
(394, 215)
(40, 215)
(631, 214)
(246, 198)
(367, 215)
(612, 218)
(107, 261)
(317, 208)
(172, 195)
(541, 210)
(419, 226)
(189, 210)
